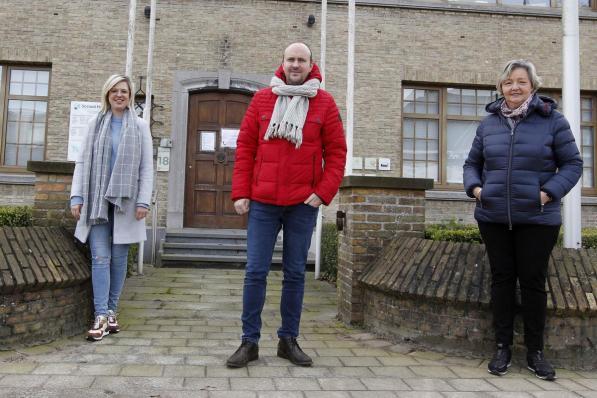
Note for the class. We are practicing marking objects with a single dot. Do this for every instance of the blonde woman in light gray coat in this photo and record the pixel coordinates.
(110, 196)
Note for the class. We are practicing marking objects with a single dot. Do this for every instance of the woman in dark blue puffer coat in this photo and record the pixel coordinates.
(523, 161)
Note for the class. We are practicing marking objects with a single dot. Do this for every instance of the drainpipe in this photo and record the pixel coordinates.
(571, 99)
(318, 226)
(147, 110)
(130, 44)
(350, 86)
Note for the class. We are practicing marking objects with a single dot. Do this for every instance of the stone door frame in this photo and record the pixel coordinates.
(186, 82)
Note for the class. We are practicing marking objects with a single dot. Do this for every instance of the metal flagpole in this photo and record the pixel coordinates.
(130, 44)
(571, 100)
(350, 86)
(318, 226)
(148, 92)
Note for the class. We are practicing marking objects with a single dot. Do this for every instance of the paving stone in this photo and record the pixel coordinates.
(421, 384)
(251, 383)
(353, 371)
(369, 352)
(123, 384)
(142, 370)
(462, 394)
(296, 384)
(280, 394)
(232, 394)
(327, 394)
(512, 384)
(99, 369)
(587, 394)
(418, 394)
(70, 381)
(471, 385)
(23, 380)
(341, 383)
(223, 371)
(555, 394)
(17, 368)
(395, 371)
(373, 394)
(360, 361)
(467, 372)
(310, 371)
(207, 383)
(432, 371)
(384, 383)
(55, 369)
(570, 384)
(401, 360)
(589, 383)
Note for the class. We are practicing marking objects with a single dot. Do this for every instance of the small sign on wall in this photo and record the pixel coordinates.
(163, 162)
(80, 114)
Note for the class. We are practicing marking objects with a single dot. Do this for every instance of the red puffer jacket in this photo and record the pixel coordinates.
(276, 172)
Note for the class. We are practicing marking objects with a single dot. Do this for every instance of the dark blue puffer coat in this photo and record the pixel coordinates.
(513, 166)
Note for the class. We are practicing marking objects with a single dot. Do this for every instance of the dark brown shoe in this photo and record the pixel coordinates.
(246, 353)
(288, 348)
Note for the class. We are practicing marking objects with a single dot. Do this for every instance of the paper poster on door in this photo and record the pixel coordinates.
(208, 141)
(229, 137)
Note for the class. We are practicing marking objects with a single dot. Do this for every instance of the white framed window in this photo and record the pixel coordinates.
(23, 114)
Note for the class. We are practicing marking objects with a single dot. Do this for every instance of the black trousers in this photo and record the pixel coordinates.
(521, 253)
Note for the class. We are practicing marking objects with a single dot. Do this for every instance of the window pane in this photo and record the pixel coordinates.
(453, 109)
(420, 107)
(420, 150)
(14, 110)
(37, 152)
(39, 133)
(408, 148)
(25, 133)
(421, 129)
(587, 178)
(28, 89)
(433, 150)
(10, 155)
(24, 153)
(409, 94)
(12, 131)
(432, 131)
(43, 76)
(16, 89)
(409, 128)
(408, 169)
(587, 136)
(469, 110)
(42, 90)
(433, 171)
(30, 76)
(420, 169)
(16, 75)
(409, 107)
(459, 138)
(40, 111)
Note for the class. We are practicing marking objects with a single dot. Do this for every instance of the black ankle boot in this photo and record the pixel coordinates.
(288, 348)
(501, 361)
(246, 353)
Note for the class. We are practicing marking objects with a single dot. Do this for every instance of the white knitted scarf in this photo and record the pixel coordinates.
(290, 110)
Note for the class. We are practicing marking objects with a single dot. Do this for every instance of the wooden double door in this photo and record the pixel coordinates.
(213, 124)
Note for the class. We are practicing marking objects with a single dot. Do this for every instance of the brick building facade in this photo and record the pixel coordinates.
(424, 70)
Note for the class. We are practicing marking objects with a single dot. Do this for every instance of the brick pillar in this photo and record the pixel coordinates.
(376, 208)
(51, 207)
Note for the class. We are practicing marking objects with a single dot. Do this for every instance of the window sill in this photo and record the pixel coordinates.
(17, 179)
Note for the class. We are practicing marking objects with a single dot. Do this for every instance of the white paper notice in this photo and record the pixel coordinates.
(229, 137)
(208, 141)
(80, 114)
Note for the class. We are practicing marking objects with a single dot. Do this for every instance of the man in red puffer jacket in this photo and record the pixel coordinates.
(290, 159)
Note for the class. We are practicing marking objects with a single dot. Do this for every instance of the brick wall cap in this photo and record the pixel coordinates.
(387, 182)
(51, 167)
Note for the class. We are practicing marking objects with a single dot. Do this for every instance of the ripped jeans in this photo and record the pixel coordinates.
(108, 267)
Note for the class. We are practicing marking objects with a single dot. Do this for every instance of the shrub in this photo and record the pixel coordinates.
(132, 259)
(15, 216)
(452, 231)
(329, 252)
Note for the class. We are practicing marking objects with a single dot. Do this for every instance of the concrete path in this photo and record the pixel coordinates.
(180, 325)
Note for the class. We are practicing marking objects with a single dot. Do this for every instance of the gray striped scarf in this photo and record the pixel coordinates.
(100, 187)
(289, 113)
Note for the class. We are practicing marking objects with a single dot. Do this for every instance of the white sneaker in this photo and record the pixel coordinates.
(99, 328)
(113, 326)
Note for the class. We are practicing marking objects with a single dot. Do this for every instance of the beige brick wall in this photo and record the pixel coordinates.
(85, 41)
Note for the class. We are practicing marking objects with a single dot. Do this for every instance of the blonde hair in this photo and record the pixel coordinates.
(536, 81)
(109, 84)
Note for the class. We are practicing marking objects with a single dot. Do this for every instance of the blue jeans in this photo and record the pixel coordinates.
(265, 221)
(108, 266)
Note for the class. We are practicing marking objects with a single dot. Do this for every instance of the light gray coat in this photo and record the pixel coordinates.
(126, 228)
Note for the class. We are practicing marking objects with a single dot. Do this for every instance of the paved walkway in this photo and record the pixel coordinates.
(179, 326)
